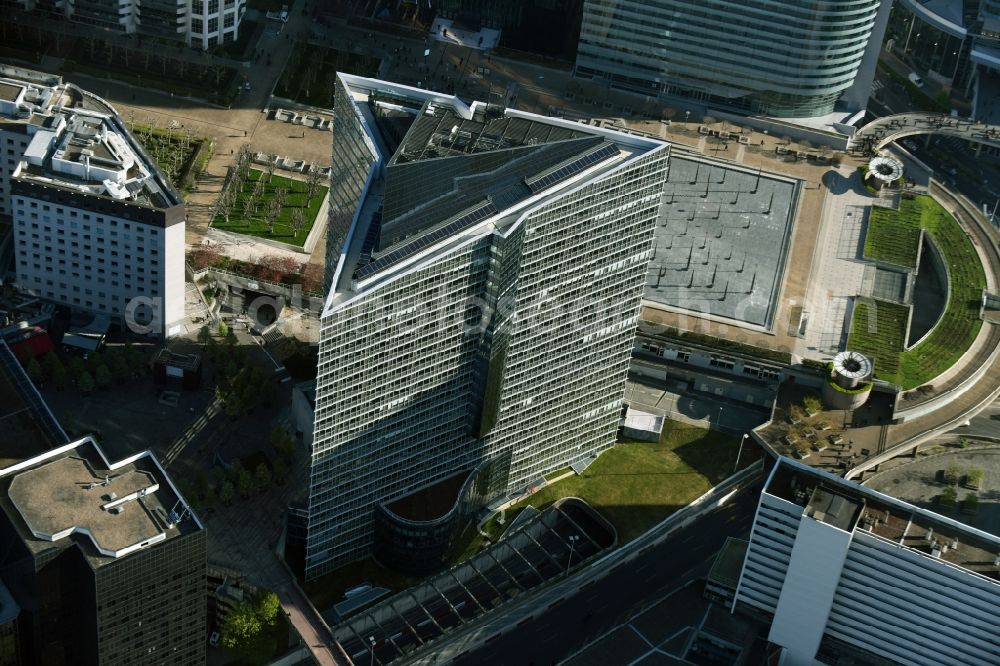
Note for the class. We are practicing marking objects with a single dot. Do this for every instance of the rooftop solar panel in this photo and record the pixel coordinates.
(462, 222)
(559, 173)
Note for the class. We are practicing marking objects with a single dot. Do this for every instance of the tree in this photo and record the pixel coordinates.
(949, 495)
(244, 483)
(313, 180)
(233, 408)
(34, 370)
(272, 210)
(85, 383)
(59, 375)
(76, 368)
(281, 196)
(280, 470)
(235, 467)
(223, 329)
(50, 362)
(262, 477)
(134, 358)
(298, 221)
(116, 362)
(241, 627)
(268, 606)
(226, 492)
(272, 164)
(224, 205)
(103, 376)
(94, 361)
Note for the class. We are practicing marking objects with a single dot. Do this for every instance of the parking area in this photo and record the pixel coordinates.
(562, 537)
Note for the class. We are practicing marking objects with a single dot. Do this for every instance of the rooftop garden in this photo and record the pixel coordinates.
(893, 236)
(960, 323)
(878, 330)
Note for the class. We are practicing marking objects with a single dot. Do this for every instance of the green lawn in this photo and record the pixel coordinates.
(636, 485)
(894, 237)
(282, 229)
(960, 322)
(878, 330)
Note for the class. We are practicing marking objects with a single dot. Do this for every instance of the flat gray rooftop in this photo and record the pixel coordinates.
(9, 91)
(67, 493)
(722, 240)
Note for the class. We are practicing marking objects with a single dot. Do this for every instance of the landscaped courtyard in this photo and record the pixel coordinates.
(959, 324)
(255, 222)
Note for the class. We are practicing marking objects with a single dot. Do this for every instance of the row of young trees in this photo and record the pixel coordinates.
(116, 365)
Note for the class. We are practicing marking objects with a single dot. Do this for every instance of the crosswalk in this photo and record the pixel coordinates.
(877, 85)
(192, 431)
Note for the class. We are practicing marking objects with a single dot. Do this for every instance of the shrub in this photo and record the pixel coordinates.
(948, 496)
(812, 404)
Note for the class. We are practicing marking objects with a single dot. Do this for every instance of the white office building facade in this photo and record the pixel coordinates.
(96, 226)
(845, 573)
(490, 326)
(202, 24)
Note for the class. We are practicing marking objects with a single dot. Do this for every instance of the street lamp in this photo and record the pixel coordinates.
(573, 538)
(736, 465)
(371, 648)
(720, 419)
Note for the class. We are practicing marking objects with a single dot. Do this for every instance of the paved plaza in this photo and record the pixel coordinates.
(916, 482)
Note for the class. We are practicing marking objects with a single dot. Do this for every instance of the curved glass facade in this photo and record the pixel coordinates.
(776, 57)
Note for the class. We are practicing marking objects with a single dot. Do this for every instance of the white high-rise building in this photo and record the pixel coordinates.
(96, 225)
(848, 575)
(200, 23)
(485, 273)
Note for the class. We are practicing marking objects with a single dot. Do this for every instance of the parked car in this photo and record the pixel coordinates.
(213, 640)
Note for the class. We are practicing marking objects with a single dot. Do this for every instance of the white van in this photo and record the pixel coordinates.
(916, 80)
(283, 16)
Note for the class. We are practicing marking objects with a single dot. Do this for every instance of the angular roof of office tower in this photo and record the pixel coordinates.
(444, 171)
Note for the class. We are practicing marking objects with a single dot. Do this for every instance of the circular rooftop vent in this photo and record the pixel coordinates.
(852, 365)
(885, 169)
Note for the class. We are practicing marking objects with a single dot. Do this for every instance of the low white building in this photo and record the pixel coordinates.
(849, 575)
(97, 226)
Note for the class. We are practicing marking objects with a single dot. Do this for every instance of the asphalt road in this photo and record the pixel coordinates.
(560, 630)
(986, 424)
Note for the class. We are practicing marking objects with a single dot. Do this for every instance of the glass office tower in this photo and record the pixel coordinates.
(484, 291)
(785, 58)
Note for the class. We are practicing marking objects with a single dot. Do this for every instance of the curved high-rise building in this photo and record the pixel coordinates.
(775, 57)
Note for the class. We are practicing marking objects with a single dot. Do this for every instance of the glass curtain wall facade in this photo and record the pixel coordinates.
(505, 348)
(785, 58)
